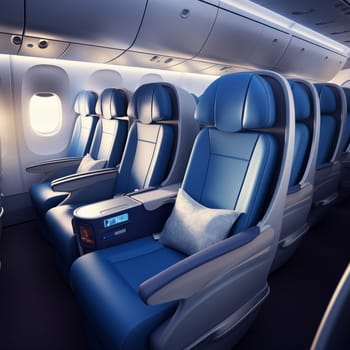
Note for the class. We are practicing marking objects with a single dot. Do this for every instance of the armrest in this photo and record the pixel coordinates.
(122, 218)
(76, 182)
(54, 165)
(153, 198)
(192, 274)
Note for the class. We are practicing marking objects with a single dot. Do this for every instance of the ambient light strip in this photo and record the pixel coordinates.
(267, 16)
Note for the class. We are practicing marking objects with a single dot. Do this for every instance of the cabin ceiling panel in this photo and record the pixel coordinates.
(89, 53)
(147, 60)
(192, 66)
(42, 47)
(6, 44)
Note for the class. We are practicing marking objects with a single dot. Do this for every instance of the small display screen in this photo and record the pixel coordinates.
(116, 220)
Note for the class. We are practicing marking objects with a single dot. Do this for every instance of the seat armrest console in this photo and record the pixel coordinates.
(123, 218)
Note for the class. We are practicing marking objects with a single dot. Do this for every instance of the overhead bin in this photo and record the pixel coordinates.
(236, 39)
(302, 58)
(12, 16)
(106, 23)
(11, 25)
(175, 28)
(171, 32)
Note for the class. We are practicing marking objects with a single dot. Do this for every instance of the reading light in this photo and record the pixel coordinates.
(264, 15)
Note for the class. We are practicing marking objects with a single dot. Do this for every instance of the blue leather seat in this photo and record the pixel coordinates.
(328, 165)
(300, 192)
(333, 331)
(147, 294)
(85, 123)
(157, 150)
(80, 142)
(107, 145)
(345, 155)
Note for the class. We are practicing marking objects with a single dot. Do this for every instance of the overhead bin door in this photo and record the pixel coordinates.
(107, 23)
(175, 28)
(309, 60)
(236, 39)
(171, 32)
(11, 25)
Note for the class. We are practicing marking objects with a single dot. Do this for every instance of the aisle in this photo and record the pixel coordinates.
(38, 310)
(301, 289)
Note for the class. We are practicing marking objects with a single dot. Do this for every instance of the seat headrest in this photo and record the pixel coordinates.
(112, 103)
(85, 103)
(237, 101)
(347, 95)
(328, 103)
(301, 101)
(151, 102)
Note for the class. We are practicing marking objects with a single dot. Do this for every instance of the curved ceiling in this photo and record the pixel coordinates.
(330, 18)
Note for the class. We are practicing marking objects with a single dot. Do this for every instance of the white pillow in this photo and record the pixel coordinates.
(192, 226)
(88, 163)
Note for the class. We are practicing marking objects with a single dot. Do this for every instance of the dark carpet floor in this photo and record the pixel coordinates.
(38, 310)
(301, 289)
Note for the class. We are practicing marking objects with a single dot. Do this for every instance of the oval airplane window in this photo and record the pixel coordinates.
(45, 113)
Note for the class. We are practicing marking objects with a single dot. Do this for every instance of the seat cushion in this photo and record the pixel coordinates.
(192, 227)
(44, 197)
(106, 284)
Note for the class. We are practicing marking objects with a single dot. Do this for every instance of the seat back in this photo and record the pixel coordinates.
(331, 128)
(328, 166)
(236, 162)
(112, 127)
(241, 160)
(301, 182)
(346, 133)
(85, 124)
(304, 104)
(159, 139)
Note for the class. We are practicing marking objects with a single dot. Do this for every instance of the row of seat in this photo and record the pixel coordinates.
(242, 207)
(156, 151)
(99, 130)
